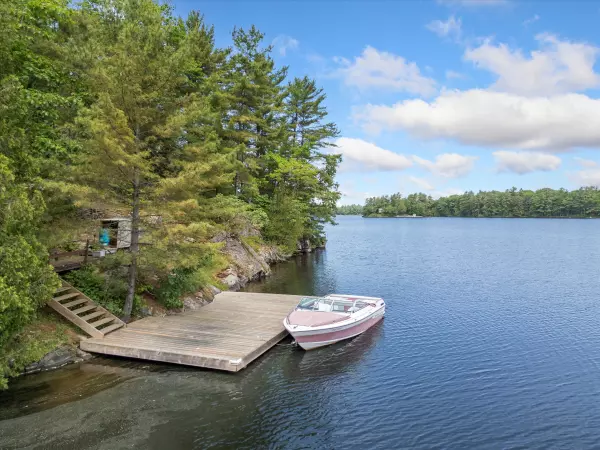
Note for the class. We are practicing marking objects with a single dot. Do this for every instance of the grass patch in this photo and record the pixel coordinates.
(46, 333)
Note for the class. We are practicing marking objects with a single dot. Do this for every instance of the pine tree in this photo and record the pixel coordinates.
(310, 137)
(254, 122)
(151, 145)
(116, 106)
(305, 114)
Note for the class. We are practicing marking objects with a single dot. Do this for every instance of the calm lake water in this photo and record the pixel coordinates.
(491, 340)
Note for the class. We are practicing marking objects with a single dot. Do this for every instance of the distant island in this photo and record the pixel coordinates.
(543, 203)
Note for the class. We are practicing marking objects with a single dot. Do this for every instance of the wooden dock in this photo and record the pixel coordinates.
(227, 334)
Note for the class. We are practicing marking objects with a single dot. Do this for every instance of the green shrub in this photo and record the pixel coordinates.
(176, 284)
(43, 335)
(185, 280)
(26, 280)
(108, 291)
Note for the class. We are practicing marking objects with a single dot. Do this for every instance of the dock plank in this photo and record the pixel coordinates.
(227, 334)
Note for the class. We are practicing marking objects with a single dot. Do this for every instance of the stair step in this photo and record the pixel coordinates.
(114, 327)
(75, 319)
(66, 297)
(102, 322)
(84, 309)
(62, 289)
(75, 302)
(92, 315)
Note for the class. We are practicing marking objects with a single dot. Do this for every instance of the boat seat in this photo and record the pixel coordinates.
(324, 307)
(314, 318)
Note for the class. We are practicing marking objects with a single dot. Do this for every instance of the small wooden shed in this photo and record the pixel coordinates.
(119, 231)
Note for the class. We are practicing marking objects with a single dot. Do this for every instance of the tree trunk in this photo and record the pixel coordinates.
(236, 183)
(134, 248)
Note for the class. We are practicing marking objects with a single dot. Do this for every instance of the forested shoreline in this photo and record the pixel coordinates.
(121, 108)
(543, 203)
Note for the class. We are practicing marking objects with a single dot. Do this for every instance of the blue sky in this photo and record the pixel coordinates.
(442, 96)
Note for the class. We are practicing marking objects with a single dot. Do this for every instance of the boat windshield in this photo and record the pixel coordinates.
(326, 304)
(309, 303)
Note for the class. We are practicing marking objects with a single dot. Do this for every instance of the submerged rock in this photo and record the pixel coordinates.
(58, 358)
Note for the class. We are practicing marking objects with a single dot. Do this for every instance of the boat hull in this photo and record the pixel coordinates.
(311, 339)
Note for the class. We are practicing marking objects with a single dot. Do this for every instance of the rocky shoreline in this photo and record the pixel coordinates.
(247, 264)
(60, 357)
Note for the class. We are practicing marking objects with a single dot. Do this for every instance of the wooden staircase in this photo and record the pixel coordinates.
(80, 310)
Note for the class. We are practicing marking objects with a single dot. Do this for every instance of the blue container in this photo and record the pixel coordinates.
(104, 237)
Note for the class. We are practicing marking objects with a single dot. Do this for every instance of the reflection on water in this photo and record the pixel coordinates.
(491, 340)
(38, 392)
(306, 274)
(35, 393)
(335, 359)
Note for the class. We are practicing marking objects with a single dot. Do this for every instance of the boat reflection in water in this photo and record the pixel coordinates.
(334, 359)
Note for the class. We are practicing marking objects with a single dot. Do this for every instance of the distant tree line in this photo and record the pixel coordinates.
(583, 202)
(350, 210)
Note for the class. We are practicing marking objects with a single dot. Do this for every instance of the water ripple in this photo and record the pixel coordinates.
(491, 340)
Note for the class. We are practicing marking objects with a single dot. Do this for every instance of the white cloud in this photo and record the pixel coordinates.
(494, 119)
(473, 2)
(383, 70)
(452, 75)
(558, 67)
(363, 156)
(525, 162)
(449, 165)
(422, 183)
(315, 58)
(531, 20)
(587, 177)
(585, 162)
(283, 43)
(449, 28)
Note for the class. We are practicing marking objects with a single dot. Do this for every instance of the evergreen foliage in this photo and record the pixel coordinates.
(349, 210)
(26, 279)
(187, 139)
(118, 107)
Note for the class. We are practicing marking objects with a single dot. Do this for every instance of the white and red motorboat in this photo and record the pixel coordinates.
(320, 321)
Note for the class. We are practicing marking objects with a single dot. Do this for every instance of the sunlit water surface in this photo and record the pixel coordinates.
(491, 340)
